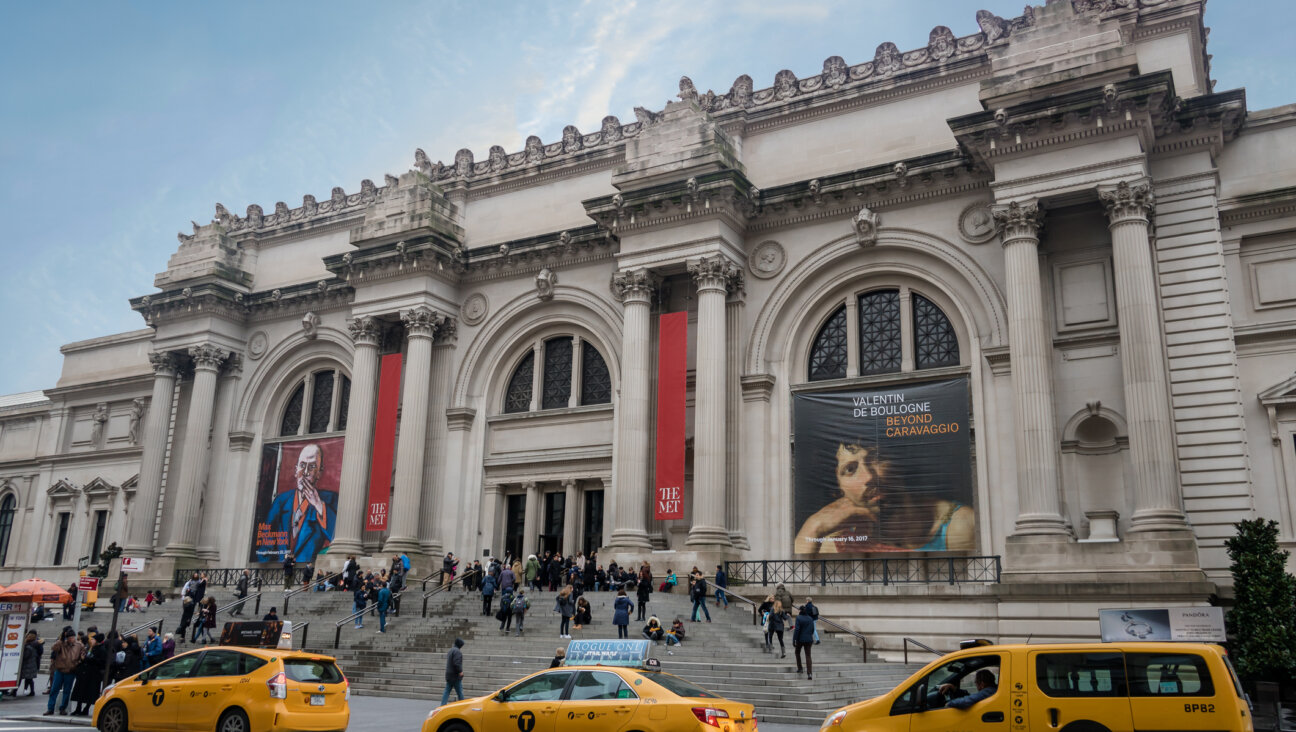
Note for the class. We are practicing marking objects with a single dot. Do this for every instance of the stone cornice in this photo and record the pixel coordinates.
(221, 300)
(284, 220)
(1273, 204)
(723, 193)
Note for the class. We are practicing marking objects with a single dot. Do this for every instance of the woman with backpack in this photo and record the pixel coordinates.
(505, 612)
(777, 623)
(621, 613)
(520, 605)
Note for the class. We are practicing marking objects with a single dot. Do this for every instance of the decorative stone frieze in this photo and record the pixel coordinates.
(976, 223)
(1127, 200)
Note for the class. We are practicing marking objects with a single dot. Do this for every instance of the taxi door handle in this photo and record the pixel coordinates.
(623, 710)
(992, 717)
(1053, 717)
(227, 688)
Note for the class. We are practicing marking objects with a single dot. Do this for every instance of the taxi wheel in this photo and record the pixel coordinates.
(233, 720)
(456, 727)
(113, 718)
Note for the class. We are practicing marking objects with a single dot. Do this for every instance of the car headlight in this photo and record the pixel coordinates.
(834, 719)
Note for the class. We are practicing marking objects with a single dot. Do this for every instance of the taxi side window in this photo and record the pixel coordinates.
(545, 687)
(176, 668)
(251, 663)
(1169, 674)
(1080, 674)
(600, 685)
(220, 663)
(959, 673)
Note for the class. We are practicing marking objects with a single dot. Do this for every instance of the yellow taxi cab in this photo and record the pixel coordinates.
(1077, 687)
(604, 686)
(230, 688)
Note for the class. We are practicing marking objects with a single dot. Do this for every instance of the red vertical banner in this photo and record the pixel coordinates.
(384, 443)
(672, 352)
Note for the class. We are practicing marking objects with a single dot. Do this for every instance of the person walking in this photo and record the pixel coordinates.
(507, 579)
(65, 656)
(505, 612)
(241, 592)
(289, 566)
(205, 627)
(33, 649)
(168, 646)
(359, 601)
(803, 639)
(488, 584)
(775, 626)
(532, 572)
(565, 606)
(782, 595)
(152, 648)
(396, 585)
(621, 613)
(721, 582)
(698, 593)
(384, 602)
(643, 590)
(520, 606)
(454, 672)
(89, 675)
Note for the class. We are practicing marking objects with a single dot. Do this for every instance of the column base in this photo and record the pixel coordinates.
(1041, 524)
(629, 539)
(181, 551)
(342, 547)
(1158, 519)
(1146, 557)
(401, 545)
(738, 540)
(708, 538)
(145, 552)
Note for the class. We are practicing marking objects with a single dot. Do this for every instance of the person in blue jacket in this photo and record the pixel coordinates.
(488, 593)
(803, 639)
(621, 610)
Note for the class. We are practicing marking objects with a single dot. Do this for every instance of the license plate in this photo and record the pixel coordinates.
(317, 700)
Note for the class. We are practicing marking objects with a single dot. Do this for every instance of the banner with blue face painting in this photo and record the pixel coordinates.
(630, 653)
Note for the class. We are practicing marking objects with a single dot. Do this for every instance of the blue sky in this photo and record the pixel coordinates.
(120, 123)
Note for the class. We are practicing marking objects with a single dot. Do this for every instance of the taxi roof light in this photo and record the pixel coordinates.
(710, 715)
(973, 643)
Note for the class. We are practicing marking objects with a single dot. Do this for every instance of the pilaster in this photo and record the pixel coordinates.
(356, 452)
(421, 324)
(207, 360)
(629, 494)
(714, 275)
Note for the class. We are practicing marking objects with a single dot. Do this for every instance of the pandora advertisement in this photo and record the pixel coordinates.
(884, 470)
(297, 495)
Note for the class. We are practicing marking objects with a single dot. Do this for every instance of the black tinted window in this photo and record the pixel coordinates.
(177, 667)
(545, 687)
(1168, 674)
(220, 663)
(312, 671)
(594, 685)
(1080, 674)
(680, 687)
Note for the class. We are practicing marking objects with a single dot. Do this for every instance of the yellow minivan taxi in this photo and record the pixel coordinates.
(230, 689)
(1080, 687)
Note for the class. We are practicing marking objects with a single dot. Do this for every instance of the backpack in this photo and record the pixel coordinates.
(520, 605)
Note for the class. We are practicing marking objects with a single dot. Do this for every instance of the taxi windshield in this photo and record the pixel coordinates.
(678, 686)
(312, 671)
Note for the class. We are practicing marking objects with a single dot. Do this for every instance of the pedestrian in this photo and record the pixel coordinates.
(532, 572)
(621, 613)
(507, 579)
(359, 601)
(65, 656)
(384, 601)
(448, 565)
(241, 592)
(803, 639)
(69, 607)
(132, 660)
(782, 595)
(455, 674)
(168, 646)
(33, 649)
(349, 572)
(600, 578)
(775, 625)
(584, 615)
(89, 675)
(565, 606)
(205, 621)
(642, 591)
(272, 616)
(148, 600)
(505, 612)
(560, 655)
(187, 610)
(520, 605)
(199, 587)
(812, 610)
(698, 593)
(653, 631)
(152, 648)
(397, 585)
(289, 566)
(721, 582)
(488, 593)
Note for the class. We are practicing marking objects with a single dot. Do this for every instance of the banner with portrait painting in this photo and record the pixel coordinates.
(296, 499)
(885, 469)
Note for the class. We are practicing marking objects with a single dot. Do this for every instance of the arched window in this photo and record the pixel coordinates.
(884, 338)
(569, 366)
(8, 507)
(315, 406)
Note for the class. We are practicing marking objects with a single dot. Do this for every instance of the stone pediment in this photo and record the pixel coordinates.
(63, 488)
(1279, 396)
(130, 484)
(99, 487)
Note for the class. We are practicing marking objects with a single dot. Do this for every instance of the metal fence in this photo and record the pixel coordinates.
(885, 571)
(229, 576)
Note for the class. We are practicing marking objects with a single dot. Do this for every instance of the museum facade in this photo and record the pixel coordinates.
(1025, 294)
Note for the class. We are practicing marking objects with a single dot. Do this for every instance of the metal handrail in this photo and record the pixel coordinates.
(337, 627)
(145, 626)
(863, 641)
(305, 631)
(917, 569)
(929, 649)
(289, 594)
(440, 575)
(244, 600)
(754, 605)
(444, 587)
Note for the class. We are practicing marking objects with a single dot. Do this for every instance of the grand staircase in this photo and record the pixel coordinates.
(724, 656)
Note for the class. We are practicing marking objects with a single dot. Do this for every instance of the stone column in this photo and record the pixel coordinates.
(629, 495)
(1158, 503)
(733, 417)
(713, 276)
(435, 532)
(537, 376)
(492, 502)
(571, 517)
(139, 541)
(578, 346)
(421, 324)
(354, 484)
(193, 467)
(531, 518)
(1030, 346)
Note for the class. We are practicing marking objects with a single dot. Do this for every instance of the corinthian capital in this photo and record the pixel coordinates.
(364, 331)
(422, 322)
(207, 356)
(164, 363)
(716, 272)
(1018, 220)
(1128, 200)
(634, 285)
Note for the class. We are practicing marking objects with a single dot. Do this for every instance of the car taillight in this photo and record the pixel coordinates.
(755, 725)
(708, 715)
(278, 685)
(347, 686)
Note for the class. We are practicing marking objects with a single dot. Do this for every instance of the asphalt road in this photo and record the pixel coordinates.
(368, 714)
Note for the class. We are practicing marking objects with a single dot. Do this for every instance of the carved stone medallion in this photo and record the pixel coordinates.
(976, 224)
(474, 309)
(767, 259)
(258, 344)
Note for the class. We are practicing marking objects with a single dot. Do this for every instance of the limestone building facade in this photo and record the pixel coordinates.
(1060, 210)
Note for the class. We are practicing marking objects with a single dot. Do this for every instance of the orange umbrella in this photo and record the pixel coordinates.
(36, 590)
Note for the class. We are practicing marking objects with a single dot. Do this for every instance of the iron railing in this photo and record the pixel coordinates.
(288, 595)
(146, 626)
(820, 618)
(444, 587)
(910, 641)
(873, 571)
(227, 576)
